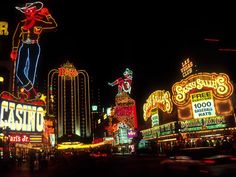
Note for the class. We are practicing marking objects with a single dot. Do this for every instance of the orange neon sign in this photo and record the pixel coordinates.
(159, 99)
(71, 72)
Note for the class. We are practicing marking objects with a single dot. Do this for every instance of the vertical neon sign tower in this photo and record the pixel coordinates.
(68, 99)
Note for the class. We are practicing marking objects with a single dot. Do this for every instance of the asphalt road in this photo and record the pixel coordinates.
(115, 166)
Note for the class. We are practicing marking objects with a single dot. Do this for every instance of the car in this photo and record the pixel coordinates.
(180, 164)
(99, 154)
(219, 165)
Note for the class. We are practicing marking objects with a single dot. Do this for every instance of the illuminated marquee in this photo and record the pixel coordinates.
(218, 83)
(3, 28)
(20, 115)
(203, 123)
(159, 99)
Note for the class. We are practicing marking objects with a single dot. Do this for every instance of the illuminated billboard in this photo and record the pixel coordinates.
(203, 104)
(21, 115)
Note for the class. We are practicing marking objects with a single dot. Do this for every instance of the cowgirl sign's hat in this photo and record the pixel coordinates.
(38, 5)
(128, 72)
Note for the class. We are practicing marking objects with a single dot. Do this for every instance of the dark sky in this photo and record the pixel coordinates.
(104, 39)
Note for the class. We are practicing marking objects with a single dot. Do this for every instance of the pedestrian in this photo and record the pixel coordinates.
(32, 159)
(19, 160)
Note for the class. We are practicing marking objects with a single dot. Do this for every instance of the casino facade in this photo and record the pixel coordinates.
(199, 111)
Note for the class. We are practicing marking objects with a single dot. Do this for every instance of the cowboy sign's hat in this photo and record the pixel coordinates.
(38, 5)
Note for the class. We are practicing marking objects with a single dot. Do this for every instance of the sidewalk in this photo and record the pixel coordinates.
(24, 171)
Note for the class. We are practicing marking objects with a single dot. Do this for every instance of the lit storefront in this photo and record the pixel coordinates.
(202, 113)
(124, 122)
(22, 121)
(161, 120)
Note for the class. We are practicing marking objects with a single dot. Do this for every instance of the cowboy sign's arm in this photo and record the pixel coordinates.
(15, 42)
(50, 23)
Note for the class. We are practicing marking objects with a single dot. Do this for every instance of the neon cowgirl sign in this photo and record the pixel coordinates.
(124, 84)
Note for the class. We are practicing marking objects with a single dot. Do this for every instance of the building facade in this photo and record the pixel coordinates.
(68, 100)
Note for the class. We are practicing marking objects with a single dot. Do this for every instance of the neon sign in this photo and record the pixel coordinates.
(20, 114)
(127, 115)
(155, 117)
(19, 138)
(218, 83)
(70, 72)
(124, 110)
(159, 99)
(124, 84)
(132, 133)
(21, 117)
(160, 130)
(3, 28)
(25, 43)
(187, 67)
(203, 123)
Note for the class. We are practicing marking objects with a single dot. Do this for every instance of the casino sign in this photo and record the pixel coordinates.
(203, 95)
(20, 114)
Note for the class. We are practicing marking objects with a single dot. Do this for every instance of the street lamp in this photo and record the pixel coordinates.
(1, 81)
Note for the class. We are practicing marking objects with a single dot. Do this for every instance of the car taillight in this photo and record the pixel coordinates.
(233, 158)
(209, 162)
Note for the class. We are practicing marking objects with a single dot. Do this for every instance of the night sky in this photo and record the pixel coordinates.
(104, 39)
